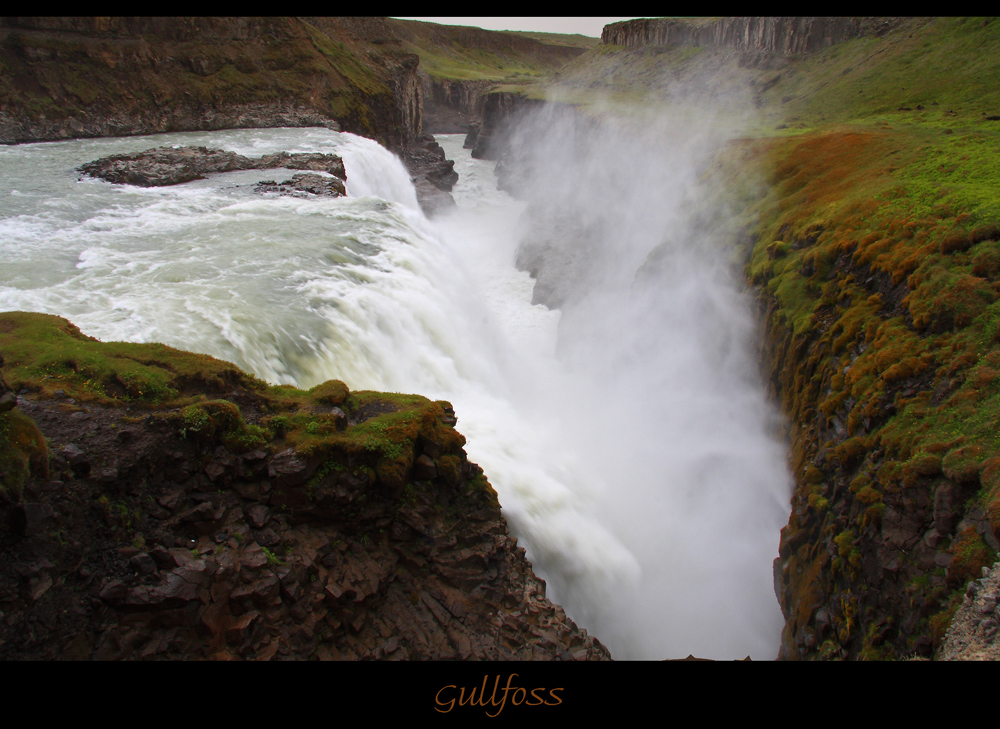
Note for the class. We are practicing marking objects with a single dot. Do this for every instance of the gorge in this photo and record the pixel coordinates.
(612, 398)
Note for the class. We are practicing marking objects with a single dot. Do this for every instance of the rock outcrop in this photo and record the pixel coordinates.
(304, 185)
(268, 523)
(433, 174)
(972, 635)
(173, 165)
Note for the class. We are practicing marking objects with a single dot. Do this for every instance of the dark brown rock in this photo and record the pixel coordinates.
(175, 165)
(433, 175)
(305, 186)
(376, 577)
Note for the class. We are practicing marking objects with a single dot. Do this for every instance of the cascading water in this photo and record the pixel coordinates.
(636, 469)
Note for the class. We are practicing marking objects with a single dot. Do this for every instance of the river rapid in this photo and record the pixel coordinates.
(639, 469)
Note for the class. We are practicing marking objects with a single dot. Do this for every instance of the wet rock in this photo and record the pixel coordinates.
(143, 564)
(289, 469)
(425, 469)
(38, 586)
(253, 557)
(433, 176)
(113, 591)
(240, 630)
(267, 538)
(257, 515)
(304, 186)
(175, 165)
(471, 136)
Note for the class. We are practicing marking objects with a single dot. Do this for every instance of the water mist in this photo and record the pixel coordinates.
(658, 395)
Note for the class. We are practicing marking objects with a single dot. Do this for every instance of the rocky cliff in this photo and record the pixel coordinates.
(895, 507)
(758, 35)
(458, 65)
(161, 504)
(501, 112)
(450, 105)
(77, 77)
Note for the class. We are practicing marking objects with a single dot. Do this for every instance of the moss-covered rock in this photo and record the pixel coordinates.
(23, 453)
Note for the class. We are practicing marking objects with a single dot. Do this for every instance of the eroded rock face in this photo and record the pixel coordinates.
(166, 546)
(450, 104)
(433, 175)
(783, 36)
(87, 77)
(501, 111)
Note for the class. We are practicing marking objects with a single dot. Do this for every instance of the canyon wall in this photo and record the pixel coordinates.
(80, 77)
(879, 328)
(781, 36)
(450, 105)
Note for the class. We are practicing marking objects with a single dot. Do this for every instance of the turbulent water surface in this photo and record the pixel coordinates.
(634, 461)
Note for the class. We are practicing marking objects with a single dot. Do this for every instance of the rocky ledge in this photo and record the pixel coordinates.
(304, 185)
(174, 165)
(973, 633)
(433, 175)
(161, 504)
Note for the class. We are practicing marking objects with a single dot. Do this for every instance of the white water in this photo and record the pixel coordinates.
(651, 507)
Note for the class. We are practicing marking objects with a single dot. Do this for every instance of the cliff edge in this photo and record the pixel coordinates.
(162, 504)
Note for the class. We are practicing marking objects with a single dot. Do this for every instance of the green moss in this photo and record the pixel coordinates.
(23, 453)
(220, 421)
(46, 353)
(971, 554)
(844, 542)
(939, 623)
(331, 392)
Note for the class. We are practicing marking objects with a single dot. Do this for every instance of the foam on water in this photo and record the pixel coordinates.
(367, 290)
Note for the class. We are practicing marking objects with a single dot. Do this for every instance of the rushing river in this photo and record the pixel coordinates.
(641, 478)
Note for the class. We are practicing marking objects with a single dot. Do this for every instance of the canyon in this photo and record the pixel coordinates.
(876, 295)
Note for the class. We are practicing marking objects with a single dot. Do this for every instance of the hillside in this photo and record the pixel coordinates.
(70, 77)
(459, 64)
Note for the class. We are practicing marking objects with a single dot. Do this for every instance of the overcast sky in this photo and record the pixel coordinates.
(583, 26)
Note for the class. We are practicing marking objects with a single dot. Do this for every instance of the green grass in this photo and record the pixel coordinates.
(46, 353)
(574, 40)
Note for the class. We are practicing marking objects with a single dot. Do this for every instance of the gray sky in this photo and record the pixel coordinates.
(583, 26)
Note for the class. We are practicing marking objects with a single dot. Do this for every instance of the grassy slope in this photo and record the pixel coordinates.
(574, 40)
(877, 244)
(458, 53)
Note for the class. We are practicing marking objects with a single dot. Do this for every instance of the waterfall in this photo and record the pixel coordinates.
(629, 447)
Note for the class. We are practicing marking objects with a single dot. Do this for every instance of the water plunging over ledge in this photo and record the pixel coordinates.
(634, 464)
